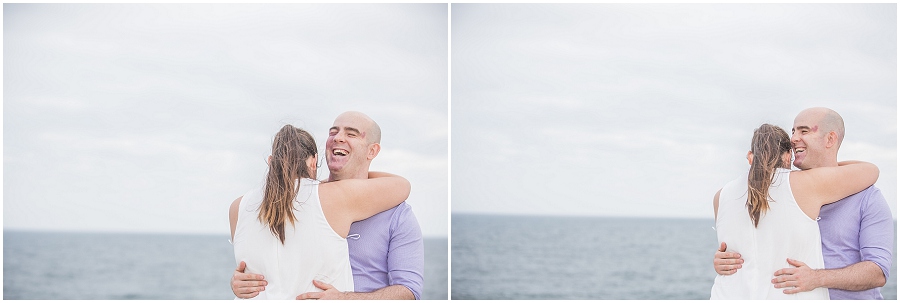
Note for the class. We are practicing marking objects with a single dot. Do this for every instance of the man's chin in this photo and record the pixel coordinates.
(335, 169)
(799, 164)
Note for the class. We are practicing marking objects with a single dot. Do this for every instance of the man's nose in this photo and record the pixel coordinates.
(339, 137)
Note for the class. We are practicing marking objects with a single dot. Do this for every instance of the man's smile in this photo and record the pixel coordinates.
(339, 152)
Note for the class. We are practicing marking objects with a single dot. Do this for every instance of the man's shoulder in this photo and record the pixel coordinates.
(867, 195)
(868, 200)
(390, 216)
(403, 216)
(404, 209)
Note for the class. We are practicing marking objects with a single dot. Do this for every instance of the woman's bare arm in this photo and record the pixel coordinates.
(826, 185)
(233, 214)
(350, 200)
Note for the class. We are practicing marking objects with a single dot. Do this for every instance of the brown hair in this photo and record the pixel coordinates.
(291, 148)
(769, 143)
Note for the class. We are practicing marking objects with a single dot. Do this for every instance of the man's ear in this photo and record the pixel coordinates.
(374, 148)
(750, 157)
(268, 159)
(831, 139)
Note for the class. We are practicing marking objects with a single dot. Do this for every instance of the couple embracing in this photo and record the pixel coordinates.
(351, 237)
(821, 232)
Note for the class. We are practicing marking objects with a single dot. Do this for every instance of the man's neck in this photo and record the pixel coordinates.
(346, 176)
(830, 162)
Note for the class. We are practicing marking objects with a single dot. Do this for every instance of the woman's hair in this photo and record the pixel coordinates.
(769, 143)
(290, 150)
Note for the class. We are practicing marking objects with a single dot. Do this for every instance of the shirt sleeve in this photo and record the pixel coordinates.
(406, 254)
(876, 232)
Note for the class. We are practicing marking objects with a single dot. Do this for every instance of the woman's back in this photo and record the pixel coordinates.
(311, 250)
(784, 231)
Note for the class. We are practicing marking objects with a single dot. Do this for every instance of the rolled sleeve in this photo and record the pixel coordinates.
(406, 254)
(876, 232)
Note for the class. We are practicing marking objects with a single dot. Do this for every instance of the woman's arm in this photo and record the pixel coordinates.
(716, 204)
(829, 184)
(359, 199)
(233, 214)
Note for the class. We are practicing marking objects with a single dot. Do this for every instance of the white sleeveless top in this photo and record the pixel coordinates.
(311, 249)
(784, 231)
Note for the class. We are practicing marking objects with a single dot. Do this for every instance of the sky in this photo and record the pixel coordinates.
(646, 110)
(154, 118)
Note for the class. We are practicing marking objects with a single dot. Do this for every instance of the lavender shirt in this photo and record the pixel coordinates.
(387, 249)
(855, 229)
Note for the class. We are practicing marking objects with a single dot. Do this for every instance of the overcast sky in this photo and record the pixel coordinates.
(153, 118)
(647, 110)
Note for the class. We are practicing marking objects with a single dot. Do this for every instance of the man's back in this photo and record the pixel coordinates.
(854, 229)
(387, 249)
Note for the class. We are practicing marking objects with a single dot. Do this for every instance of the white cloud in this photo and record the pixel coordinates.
(647, 110)
(155, 117)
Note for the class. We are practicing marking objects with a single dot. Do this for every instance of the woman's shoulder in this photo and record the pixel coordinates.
(309, 181)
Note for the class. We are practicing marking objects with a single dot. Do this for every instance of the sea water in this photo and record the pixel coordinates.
(99, 266)
(521, 257)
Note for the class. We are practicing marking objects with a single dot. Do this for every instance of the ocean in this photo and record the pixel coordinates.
(100, 266)
(522, 257)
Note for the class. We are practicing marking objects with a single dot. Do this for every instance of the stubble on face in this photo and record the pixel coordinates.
(347, 146)
(809, 139)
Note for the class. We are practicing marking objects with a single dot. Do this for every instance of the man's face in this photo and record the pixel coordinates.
(347, 147)
(808, 140)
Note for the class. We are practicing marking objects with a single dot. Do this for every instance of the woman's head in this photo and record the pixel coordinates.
(293, 157)
(294, 153)
(770, 148)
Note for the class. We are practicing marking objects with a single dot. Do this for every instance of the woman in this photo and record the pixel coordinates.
(293, 229)
(770, 216)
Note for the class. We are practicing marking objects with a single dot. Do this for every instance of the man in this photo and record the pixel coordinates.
(387, 254)
(857, 231)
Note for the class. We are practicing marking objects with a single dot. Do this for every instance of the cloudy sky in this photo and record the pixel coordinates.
(647, 110)
(153, 118)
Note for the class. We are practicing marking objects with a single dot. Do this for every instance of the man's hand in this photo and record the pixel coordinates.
(246, 286)
(801, 278)
(727, 263)
(328, 293)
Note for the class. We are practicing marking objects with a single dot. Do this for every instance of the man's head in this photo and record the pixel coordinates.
(816, 137)
(353, 141)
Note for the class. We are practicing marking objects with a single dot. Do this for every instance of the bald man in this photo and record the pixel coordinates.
(857, 231)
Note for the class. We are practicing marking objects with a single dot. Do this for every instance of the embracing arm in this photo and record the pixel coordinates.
(233, 214)
(856, 277)
(716, 204)
(393, 292)
(244, 286)
(405, 265)
(406, 257)
(876, 240)
(826, 185)
(725, 263)
(363, 198)
(860, 276)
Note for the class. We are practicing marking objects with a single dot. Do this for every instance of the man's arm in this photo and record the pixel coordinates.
(856, 277)
(393, 292)
(246, 286)
(406, 265)
(727, 263)
(876, 239)
(406, 255)
(860, 276)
